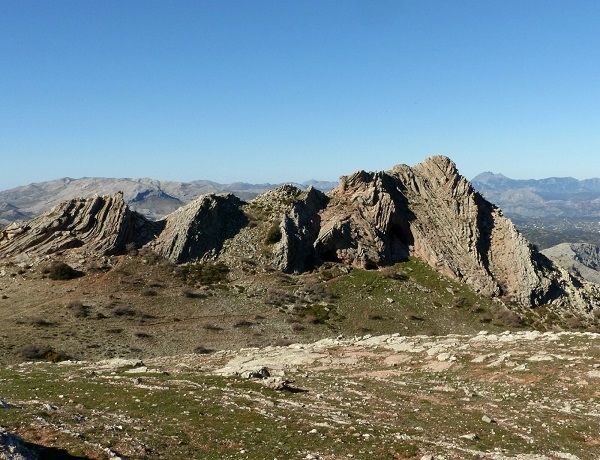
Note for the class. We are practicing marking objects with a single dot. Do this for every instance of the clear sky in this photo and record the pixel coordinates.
(276, 91)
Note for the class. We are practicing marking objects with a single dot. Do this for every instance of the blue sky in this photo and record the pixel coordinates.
(274, 91)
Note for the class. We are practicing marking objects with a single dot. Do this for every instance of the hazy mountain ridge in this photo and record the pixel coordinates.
(151, 197)
(550, 197)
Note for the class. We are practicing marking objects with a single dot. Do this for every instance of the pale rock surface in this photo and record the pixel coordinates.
(102, 225)
(199, 228)
(580, 259)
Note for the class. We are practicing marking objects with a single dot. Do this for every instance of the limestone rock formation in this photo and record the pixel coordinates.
(456, 230)
(299, 227)
(102, 225)
(580, 259)
(281, 227)
(370, 220)
(12, 447)
(200, 228)
(432, 212)
(367, 222)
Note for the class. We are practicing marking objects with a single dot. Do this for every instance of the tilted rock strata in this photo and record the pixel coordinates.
(432, 212)
(103, 225)
(366, 223)
(464, 236)
(199, 228)
(370, 220)
(299, 227)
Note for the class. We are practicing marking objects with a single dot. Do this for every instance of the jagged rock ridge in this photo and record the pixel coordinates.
(370, 220)
(103, 225)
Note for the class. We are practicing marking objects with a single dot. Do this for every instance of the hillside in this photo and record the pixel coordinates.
(509, 396)
(246, 323)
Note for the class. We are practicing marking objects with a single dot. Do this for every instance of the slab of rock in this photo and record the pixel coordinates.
(102, 225)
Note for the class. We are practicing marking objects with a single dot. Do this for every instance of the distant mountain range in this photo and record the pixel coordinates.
(551, 197)
(548, 211)
(152, 198)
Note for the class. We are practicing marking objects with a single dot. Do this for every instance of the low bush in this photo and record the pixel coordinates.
(63, 271)
(243, 323)
(201, 350)
(41, 353)
(123, 311)
(41, 322)
(273, 235)
(205, 273)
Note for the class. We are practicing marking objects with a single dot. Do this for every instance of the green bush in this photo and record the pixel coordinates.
(205, 273)
(273, 235)
(63, 271)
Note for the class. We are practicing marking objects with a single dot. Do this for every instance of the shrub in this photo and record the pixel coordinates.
(273, 235)
(375, 317)
(63, 271)
(149, 293)
(41, 353)
(123, 311)
(192, 295)
(41, 322)
(205, 273)
(131, 249)
(509, 318)
(142, 335)
(212, 327)
(243, 323)
(200, 350)
(81, 310)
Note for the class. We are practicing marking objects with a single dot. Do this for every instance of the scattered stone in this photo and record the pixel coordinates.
(487, 419)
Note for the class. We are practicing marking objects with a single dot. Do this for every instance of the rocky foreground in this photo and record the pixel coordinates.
(520, 395)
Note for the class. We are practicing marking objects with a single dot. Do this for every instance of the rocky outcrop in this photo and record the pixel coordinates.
(580, 259)
(432, 212)
(464, 236)
(200, 228)
(370, 220)
(103, 225)
(366, 223)
(295, 252)
(12, 447)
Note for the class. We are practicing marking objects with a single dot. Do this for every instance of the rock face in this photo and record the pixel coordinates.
(579, 259)
(103, 225)
(12, 447)
(299, 227)
(468, 238)
(200, 228)
(369, 220)
(432, 212)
